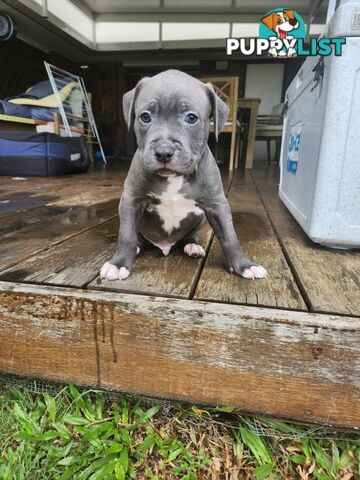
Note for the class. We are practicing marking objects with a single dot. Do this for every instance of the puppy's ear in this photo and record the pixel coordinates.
(289, 13)
(129, 102)
(270, 20)
(219, 110)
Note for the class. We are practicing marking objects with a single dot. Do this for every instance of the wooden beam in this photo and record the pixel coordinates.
(295, 365)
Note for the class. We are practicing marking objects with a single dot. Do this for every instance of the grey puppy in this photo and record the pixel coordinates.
(173, 181)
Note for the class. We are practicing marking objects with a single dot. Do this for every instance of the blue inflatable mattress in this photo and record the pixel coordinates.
(41, 154)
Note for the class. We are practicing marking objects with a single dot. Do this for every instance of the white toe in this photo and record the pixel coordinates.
(259, 271)
(104, 270)
(123, 273)
(256, 271)
(194, 250)
(247, 273)
(111, 272)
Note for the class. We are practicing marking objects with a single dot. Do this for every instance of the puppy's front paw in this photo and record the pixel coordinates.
(255, 271)
(194, 250)
(111, 272)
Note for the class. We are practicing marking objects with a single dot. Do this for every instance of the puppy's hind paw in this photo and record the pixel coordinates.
(111, 272)
(255, 271)
(194, 250)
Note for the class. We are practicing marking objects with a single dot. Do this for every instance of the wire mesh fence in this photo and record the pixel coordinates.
(260, 426)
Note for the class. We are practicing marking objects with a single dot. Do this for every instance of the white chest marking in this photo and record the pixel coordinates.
(174, 206)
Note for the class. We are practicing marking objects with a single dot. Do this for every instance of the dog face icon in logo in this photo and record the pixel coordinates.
(282, 24)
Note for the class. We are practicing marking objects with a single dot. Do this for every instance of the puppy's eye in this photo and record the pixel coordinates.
(191, 118)
(145, 117)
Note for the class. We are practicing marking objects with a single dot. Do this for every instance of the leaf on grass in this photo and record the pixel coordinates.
(321, 457)
(298, 459)
(124, 459)
(345, 460)
(335, 458)
(144, 417)
(282, 426)
(74, 420)
(49, 435)
(25, 421)
(174, 454)
(62, 431)
(224, 409)
(256, 445)
(67, 461)
(119, 471)
(148, 442)
(50, 407)
(263, 471)
(319, 475)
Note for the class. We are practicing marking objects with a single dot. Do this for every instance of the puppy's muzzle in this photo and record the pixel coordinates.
(164, 151)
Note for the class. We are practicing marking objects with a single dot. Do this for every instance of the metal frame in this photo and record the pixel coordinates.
(58, 79)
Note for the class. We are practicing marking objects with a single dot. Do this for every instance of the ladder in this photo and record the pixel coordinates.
(74, 105)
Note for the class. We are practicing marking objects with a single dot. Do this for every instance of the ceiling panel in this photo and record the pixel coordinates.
(72, 16)
(197, 4)
(112, 32)
(245, 30)
(109, 6)
(152, 6)
(194, 31)
(266, 5)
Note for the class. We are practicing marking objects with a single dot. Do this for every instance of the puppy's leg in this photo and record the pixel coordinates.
(189, 244)
(219, 216)
(142, 244)
(120, 265)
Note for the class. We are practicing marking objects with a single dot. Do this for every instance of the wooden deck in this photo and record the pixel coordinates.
(179, 327)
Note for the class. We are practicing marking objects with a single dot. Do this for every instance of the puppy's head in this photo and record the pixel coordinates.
(281, 22)
(171, 115)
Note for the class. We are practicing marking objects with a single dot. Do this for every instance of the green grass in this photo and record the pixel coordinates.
(83, 435)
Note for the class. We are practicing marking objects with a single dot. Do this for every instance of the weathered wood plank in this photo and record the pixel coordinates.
(55, 342)
(34, 258)
(330, 278)
(53, 227)
(259, 242)
(70, 263)
(173, 275)
(295, 365)
(77, 261)
(95, 184)
(36, 212)
(21, 200)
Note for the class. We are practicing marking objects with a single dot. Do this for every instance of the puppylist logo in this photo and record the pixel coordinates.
(282, 34)
(282, 28)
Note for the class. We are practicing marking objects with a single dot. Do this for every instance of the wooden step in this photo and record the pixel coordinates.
(295, 365)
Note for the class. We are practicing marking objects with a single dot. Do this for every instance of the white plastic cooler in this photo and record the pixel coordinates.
(320, 154)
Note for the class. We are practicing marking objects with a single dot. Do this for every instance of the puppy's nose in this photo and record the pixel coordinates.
(293, 21)
(164, 151)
